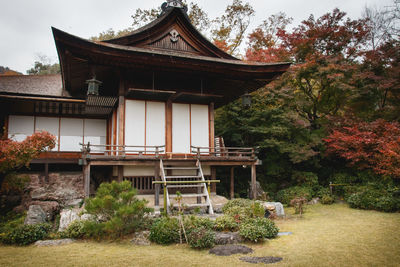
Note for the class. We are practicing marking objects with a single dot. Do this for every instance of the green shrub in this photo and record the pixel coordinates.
(27, 234)
(93, 230)
(387, 203)
(327, 200)
(243, 208)
(226, 223)
(165, 231)
(201, 238)
(286, 195)
(256, 229)
(307, 179)
(194, 222)
(118, 208)
(8, 223)
(75, 230)
(323, 191)
(375, 196)
(236, 202)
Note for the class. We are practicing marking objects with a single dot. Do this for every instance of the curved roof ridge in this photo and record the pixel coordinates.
(168, 14)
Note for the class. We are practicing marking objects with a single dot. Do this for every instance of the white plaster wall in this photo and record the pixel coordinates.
(138, 170)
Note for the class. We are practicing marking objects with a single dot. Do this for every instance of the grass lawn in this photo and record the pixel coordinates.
(325, 236)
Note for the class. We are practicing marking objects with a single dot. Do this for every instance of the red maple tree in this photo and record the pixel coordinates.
(14, 154)
(374, 145)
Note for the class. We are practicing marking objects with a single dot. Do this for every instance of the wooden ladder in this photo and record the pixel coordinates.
(202, 190)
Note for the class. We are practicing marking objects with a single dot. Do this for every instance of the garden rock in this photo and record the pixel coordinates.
(279, 211)
(35, 215)
(223, 238)
(87, 217)
(228, 250)
(141, 238)
(51, 208)
(67, 217)
(260, 194)
(57, 242)
(266, 260)
(314, 201)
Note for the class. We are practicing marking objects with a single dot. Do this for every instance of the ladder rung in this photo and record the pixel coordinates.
(181, 168)
(185, 185)
(182, 176)
(189, 195)
(194, 205)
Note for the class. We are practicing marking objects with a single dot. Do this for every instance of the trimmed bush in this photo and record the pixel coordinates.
(226, 223)
(201, 238)
(165, 231)
(286, 195)
(257, 229)
(327, 200)
(374, 197)
(27, 234)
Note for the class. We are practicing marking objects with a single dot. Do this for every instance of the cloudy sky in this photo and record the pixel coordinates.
(26, 33)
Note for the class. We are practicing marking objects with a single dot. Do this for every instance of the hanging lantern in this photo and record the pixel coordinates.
(246, 100)
(93, 86)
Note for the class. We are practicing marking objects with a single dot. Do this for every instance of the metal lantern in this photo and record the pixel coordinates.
(93, 86)
(246, 100)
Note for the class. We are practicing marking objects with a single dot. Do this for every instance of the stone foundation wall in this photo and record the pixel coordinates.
(60, 190)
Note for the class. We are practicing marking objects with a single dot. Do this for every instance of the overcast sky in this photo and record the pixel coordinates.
(25, 24)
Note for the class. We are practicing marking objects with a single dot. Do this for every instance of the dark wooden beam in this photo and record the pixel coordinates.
(46, 172)
(120, 173)
(213, 177)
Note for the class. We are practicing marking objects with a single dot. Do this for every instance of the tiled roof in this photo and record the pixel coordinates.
(45, 85)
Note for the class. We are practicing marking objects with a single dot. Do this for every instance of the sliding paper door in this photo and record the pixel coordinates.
(180, 128)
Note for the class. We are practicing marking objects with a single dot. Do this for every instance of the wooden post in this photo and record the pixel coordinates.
(86, 179)
(212, 130)
(165, 199)
(213, 177)
(199, 190)
(168, 127)
(121, 122)
(253, 182)
(120, 173)
(232, 188)
(46, 172)
(157, 186)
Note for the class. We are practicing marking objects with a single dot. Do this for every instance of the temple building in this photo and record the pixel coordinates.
(139, 108)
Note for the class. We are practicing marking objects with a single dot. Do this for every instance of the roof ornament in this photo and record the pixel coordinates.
(174, 36)
(173, 4)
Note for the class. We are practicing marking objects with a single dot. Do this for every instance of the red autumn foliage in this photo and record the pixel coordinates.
(222, 44)
(14, 155)
(374, 146)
